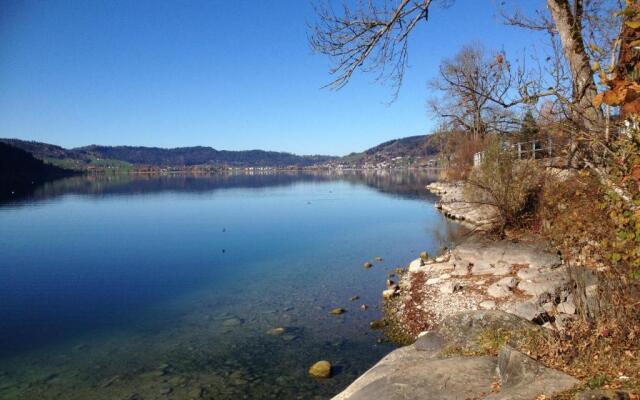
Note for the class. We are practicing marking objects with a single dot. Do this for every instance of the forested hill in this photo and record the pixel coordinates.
(19, 171)
(182, 156)
(412, 150)
(199, 155)
(412, 146)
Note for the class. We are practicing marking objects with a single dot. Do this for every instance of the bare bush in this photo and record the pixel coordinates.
(504, 182)
(458, 155)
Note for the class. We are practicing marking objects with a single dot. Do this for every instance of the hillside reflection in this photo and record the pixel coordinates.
(408, 184)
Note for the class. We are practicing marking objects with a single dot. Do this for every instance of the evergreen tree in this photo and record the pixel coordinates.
(529, 129)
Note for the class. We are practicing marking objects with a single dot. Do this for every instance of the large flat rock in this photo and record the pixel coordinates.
(438, 379)
(420, 371)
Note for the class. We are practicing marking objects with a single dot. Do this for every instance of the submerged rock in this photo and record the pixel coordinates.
(377, 324)
(233, 321)
(321, 370)
(276, 331)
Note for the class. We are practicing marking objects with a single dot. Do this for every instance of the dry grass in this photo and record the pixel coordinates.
(604, 352)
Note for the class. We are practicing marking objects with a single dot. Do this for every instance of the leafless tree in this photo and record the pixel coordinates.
(475, 91)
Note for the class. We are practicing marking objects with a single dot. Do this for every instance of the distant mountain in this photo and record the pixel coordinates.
(412, 150)
(131, 156)
(201, 155)
(411, 146)
(19, 170)
(409, 151)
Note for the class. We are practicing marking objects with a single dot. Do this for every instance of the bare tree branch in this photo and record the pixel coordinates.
(371, 36)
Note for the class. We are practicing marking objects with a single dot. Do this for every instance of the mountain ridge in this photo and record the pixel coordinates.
(400, 151)
(84, 156)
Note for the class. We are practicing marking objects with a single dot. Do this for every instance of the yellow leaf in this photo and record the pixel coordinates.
(595, 66)
(632, 24)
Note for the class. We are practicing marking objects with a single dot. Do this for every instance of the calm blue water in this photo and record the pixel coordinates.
(166, 287)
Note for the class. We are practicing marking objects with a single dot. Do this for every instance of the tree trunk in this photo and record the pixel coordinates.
(569, 25)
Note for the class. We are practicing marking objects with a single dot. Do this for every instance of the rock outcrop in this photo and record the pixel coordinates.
(424, 370)
(525, 279)
(453, 205)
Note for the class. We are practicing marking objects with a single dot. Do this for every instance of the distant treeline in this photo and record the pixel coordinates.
(121, 156)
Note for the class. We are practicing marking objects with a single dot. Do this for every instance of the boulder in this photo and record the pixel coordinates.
(538, 281)
(431, 342)
(523, 378)
(528, 310)
(568, 306)
(419, 371)
(407, 376)
(463, 329)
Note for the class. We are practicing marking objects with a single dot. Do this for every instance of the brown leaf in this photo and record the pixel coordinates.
(615, 96)
(597, 100)
(635, 172)
(631, 108)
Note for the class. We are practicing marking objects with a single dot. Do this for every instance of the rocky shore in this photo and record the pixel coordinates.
(469, 308)
(480, 217)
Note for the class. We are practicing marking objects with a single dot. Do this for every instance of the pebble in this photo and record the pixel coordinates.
(321, 370)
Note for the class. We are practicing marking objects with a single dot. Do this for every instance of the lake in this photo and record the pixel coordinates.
(167, 287)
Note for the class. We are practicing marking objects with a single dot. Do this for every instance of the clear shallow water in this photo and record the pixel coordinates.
(165, 287)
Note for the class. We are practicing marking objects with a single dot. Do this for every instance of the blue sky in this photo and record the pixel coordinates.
(233, 75)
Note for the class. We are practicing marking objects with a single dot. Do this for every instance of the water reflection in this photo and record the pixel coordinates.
(405, 183)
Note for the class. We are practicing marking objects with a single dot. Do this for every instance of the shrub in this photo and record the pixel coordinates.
(504, 182)
(458, 155)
